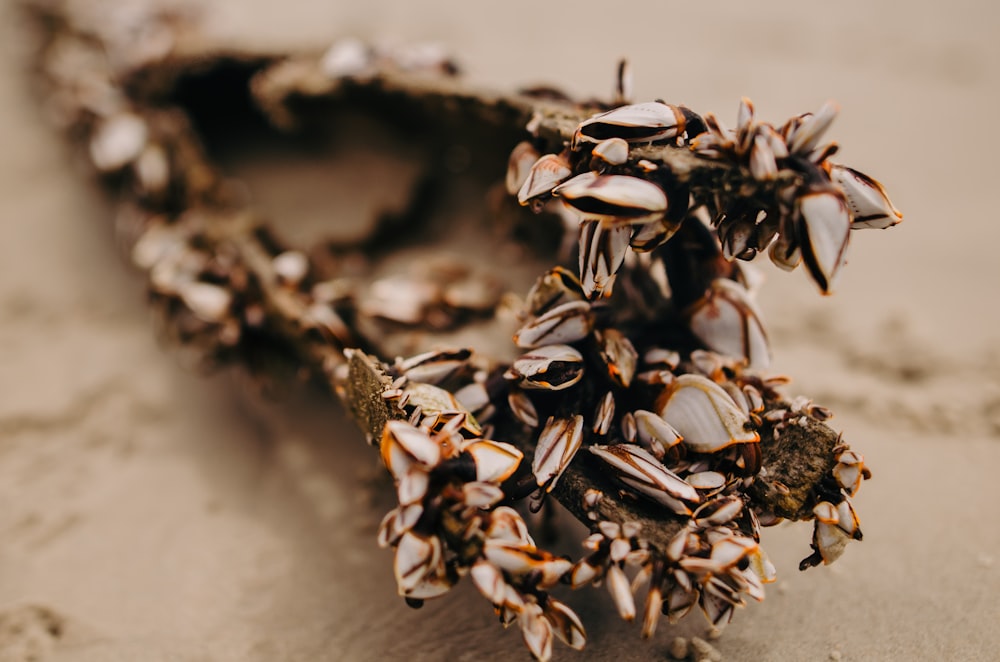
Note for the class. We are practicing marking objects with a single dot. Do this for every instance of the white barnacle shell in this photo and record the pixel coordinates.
(521, 559)
(404, 445)
(495, 461)
(761, 566)
(553, 368)
(489, 580)
(729, 551)
(763, 163)
(583, 573)
(613, 151)
(745, 124)
(678, 545)
(563, 324)
(400, 299)
(618, 354)
(291, 266)
(749, 582)
(209, 303)
(704, 414)
(824, 225)
(654, 433)
(522, 158)
(604, 414)
(784, 252)
(513, 605)
(507, 524)
(660, 357)
(591, 498)
(641, 471)
(435, 366)
(481, 495)
(536, 631)
(434, 400)
(807, 131)
(522, 407)
(397, 522)
(728, 322)
(117, 141)
(546, 173)
(680, 600)
(152, 170)
(719, 511)
(651, 612)
(621, 592)
(736, 234)
(565, 624)
(869, 203)
(478, 292)
(601, 255)
(416, 558)
(346, 57)
(431, 586)
(706, 480)
(828, 537)
(473, 396)
(609, 530)
(717, 606)
(849, 470)
(558, 442)
(775, 141)
(652, 234)
(556, 287)
(613, 198)
(158, 241)
(847, 519)
(619, 549)
(627, 427)
(412, 485)
(640, 122)
(513, 557)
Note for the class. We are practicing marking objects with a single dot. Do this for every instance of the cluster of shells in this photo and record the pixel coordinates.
(646, 362)
(652, 370)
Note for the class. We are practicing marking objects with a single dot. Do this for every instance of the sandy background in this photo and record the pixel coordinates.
(147, 513)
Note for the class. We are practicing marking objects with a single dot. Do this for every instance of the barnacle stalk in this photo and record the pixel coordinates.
(637, 397)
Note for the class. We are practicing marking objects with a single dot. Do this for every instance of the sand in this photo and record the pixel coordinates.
(150, 513)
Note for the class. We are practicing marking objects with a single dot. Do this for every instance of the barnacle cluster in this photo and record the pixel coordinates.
(639, 399)
(651, 356)
(448, 524)
(805, 205)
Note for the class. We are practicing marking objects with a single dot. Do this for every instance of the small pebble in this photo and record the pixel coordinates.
(679, 649)
(705, 650)
(835, 655)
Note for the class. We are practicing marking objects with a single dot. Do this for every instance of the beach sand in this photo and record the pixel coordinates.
(150, 513)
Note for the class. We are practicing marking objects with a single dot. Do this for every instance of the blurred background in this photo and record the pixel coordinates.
(148, 513)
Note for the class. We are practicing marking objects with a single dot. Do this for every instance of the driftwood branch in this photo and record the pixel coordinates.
(231, 289)
(286, 88)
